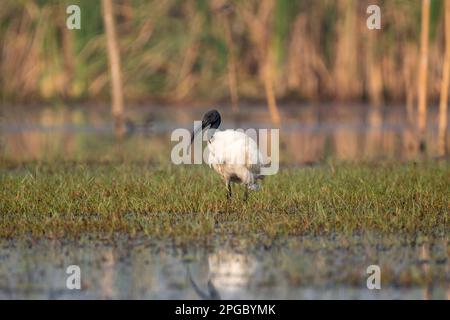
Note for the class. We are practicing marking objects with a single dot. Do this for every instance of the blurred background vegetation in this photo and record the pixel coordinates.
(311, 57)
(177, 51)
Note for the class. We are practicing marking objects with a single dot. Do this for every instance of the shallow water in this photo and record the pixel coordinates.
(331, 267)
(308, 133)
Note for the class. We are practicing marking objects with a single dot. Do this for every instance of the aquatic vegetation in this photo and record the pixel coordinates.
(186, 203)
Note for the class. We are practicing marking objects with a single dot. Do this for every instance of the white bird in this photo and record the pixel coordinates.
(232, 154)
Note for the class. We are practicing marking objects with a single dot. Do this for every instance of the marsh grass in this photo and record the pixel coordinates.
(188, 203)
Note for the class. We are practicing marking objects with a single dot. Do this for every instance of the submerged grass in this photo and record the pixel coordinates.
(188, 203)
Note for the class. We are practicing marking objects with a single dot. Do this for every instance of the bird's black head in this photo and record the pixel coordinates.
(211, 119)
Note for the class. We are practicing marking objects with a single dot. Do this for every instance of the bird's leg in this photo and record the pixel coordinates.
(246, 194)
(228, 189)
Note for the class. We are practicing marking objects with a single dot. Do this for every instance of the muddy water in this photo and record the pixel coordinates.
(308, 133)
(332, 267)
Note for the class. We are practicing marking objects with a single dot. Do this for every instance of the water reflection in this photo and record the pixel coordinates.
(107, 278)
(302, 268)
(308, 133)
(199, 274)
(222, 270)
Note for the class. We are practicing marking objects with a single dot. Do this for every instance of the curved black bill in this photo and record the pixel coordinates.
(197, 130)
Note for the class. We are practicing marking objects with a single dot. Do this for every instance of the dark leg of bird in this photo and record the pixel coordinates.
(228, 190)
(246, 194)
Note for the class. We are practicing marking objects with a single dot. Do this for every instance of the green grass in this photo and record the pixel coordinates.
(188, 203)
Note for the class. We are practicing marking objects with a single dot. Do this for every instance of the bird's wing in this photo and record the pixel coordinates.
(236, 148)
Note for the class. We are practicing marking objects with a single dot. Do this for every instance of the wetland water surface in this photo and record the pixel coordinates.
(309, 133)
(325, 267)
(332, 267)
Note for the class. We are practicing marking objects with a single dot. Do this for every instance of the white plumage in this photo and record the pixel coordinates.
(233, 154)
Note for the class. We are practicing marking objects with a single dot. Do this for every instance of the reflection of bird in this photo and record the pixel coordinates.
(232, 154)
(210, 293)
(232, 271)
